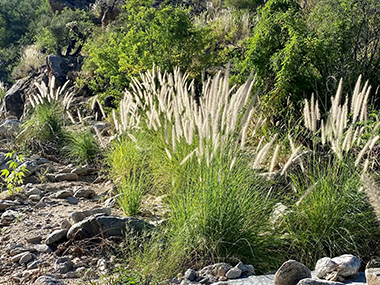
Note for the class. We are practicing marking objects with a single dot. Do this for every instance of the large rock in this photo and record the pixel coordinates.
(107, 226)
(291, 272)
(338, 268)
(14, 98)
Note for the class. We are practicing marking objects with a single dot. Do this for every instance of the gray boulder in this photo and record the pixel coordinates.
(9, 127)
(107, 226)
(291, 272)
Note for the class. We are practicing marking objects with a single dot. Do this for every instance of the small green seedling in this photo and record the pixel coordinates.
(14, 176)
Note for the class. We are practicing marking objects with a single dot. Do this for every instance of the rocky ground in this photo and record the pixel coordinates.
(65, 228)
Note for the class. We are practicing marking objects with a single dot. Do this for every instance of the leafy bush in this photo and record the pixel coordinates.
(297, 51)
(65, 33)
(145, 36)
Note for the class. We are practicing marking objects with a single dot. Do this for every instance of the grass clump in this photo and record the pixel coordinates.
(46, 123)
(332, 215)
(130, 172)
(82, 146)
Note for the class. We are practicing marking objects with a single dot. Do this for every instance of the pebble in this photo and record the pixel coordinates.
(56, 236)
(63, 265)
(64, 194)
(34, 239)
(72, 200)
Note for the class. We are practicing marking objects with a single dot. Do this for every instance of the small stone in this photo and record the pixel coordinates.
(79, 171)
(47, 280)
(66, 177)
(72, 200)
(291, 272)
(220, 269)
(35, 157)
(43, 248)
(17, 257)
(85, 193)
(310, 281)
(34, 264)
(33, 191)
(34, 239)
(233, 273)
(25, 258)
(34, 197)
(6, 204)
(65, 224)
(64, 194)
(190, 274)
(63, 265)
(56, 236)
(246, 269)
(81, 215)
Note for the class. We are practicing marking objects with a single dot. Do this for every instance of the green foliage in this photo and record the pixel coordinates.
(18, 18)
(14, 174)
(297, 51)
(129, 170)
(82, 146)
(145, 36)
(46, 123)
(18, 24)
(332, 216)
(244, 4)
(66, 32)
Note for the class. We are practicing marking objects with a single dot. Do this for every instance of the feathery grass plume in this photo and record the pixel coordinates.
(50, 94)
(220, 113)
(338, 130)
(368, 146)
(290, 160)
(274, 158)
(260, 156)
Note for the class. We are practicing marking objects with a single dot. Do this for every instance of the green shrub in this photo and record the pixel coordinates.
(65, 33)
(143, 37)
(82, 146)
